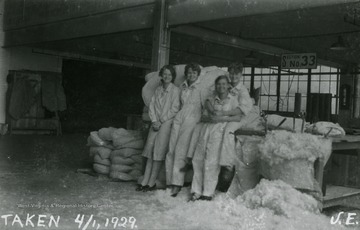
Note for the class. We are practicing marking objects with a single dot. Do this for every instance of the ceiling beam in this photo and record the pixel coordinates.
(228, 40)
(134, 18)
(88, 58)
(191, 11)
(24, 13)
(140, 16)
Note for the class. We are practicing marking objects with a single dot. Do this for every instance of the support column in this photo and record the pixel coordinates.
(278, 91)
(4, 63)
(345, 114)
(161, 36)
(356, 113)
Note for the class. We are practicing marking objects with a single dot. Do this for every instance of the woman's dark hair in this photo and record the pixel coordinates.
(194, 67)
(171, 69)
(237, 67)
(222, 77)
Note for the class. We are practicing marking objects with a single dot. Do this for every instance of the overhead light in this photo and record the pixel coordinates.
(340, 44)
(250, 57)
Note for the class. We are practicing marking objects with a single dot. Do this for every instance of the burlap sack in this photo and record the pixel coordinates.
(274, 120)
(123, 138)
(102, 169)
(95, 141)
(324, 127)
(135, 174)
(121, 160)
(138, 159)
(121, 176)
(106, 133)
(121, 168)
(94, 135)
(99, 160)
(126, 152)
(136, 144)
(102, 151)
(137, 166)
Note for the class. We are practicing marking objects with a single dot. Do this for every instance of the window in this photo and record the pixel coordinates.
(324, 79)
(247, 77)
(292, 82)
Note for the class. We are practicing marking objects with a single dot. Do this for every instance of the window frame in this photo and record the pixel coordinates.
(249, 80)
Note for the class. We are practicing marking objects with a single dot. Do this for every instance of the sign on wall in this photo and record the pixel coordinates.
(299, 61)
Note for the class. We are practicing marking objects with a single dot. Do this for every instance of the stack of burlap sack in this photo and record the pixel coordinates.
(117, 153)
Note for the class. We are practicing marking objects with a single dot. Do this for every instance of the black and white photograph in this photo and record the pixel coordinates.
(180, 114)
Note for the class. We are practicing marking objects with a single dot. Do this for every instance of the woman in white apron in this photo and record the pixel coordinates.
(163, 107)
(206, 160)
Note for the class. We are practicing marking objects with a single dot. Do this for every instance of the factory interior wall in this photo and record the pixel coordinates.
(100, 95)
(3, 65)
(19, 58)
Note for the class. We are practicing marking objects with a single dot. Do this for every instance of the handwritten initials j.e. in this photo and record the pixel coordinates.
(349, 219)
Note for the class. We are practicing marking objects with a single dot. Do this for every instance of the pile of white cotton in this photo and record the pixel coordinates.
(282, 145)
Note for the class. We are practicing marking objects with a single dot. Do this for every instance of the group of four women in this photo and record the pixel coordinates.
(186, 127)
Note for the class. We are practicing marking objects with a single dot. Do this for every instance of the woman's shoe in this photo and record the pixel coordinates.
(194, 197)
(176, 189)
(140, 188)
(147, 188)
(186, 168)
(174, 194)
(208, 198)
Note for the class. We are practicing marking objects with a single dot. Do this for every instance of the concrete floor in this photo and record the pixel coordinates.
(42, 152)
(38, 177)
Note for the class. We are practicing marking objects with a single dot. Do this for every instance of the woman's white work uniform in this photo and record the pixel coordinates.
(181, 132)
(207, 153)
(228, 152)
(164, 105)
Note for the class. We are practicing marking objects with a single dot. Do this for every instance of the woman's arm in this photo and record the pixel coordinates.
(241, 105)
(152, 112)
(209, 107)
(205, 118)
(233, 112)
(174, 106)
(218, 119)
(155, 123)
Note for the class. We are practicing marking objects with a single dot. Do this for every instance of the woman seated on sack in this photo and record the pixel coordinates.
(164, 105)
(206, 160)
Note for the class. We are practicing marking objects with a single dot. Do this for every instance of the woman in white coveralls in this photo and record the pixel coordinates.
(206, 160)
(246, 176)
(183, 126)
(228, 151)
(164, 105)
